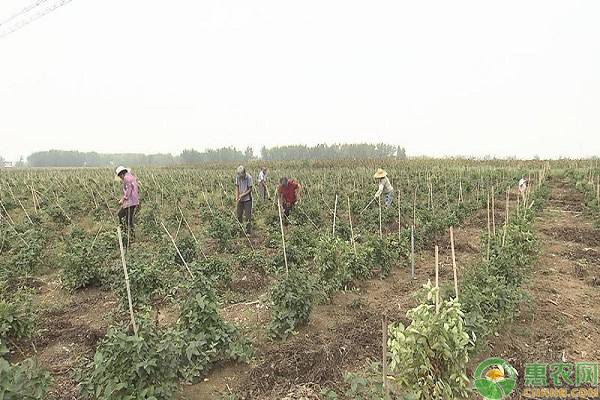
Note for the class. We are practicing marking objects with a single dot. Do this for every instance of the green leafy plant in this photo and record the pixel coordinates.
(127, 367)
(206, 337)
(223, 230)
(292, 299)
(17, 317)
(144, 272)
(331, 261)
(22, 381)
(84, 258)
(429, 357)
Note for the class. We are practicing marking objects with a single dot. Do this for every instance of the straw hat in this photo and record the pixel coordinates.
(380, 174)
(120, 169)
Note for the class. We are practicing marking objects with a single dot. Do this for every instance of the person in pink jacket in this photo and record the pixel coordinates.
(129, 201)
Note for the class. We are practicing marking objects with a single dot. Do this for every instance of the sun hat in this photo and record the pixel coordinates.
(120, 169)
(380, 174)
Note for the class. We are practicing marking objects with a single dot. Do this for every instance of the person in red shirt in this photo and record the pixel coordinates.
(287, 194)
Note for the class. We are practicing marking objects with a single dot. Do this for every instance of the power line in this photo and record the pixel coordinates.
(35, 16)
(23, 11)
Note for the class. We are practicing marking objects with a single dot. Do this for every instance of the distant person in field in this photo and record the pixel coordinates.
(262, 183)
(287, 192)
(523, 186)
(243, 197)
(385, 187)
(129, 201)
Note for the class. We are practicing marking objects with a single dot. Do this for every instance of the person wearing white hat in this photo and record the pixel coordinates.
(243, 197)
(385, 187)
(130, 199)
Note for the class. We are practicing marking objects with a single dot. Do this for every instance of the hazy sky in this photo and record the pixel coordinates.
(439, 77)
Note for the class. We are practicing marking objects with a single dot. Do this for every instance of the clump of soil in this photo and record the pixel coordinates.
(314, 360)
(590, 256)
(577, 234)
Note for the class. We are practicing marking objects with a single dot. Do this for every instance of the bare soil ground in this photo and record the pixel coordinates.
(561, 319)
(70, 327)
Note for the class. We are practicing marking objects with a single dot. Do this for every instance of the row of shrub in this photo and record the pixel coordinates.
(428, 358)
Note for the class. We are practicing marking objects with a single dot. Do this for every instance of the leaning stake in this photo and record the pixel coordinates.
(287, 272)
(135, 330)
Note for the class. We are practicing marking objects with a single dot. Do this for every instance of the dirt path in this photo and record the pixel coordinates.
(561, 320)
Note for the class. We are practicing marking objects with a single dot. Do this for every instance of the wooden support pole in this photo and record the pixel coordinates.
(334, 214)
(135, 330)
(287, 272)
(177, 249)
(412, 251)
(380, 228)
(493, 211)
(399, 219)
(437, 280)
(506, 217)
(386, 388)
(351, 227)
(489, 229)
(454, 262)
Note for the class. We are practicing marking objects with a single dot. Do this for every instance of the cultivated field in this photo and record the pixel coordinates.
(224, 315)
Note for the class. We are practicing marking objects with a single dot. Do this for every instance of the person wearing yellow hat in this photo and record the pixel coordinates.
(385, 187)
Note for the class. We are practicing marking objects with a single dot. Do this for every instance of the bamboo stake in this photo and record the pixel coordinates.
(287, 272)
(192, 233)
(380, 229)
(135, 330)
(489, 231)
(454, 262)
(415, 208)
(61, 209)
(243, 230)
(412, 251)
(177, 249)
(437, 280)
(506, 218)
(386, 388)
(334, 214)
(493, 212)
(351, 227)
(6, 213)
(33, 198)
(21, 205)
(399, 218)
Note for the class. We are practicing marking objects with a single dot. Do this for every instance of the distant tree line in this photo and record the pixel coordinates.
(64, 158)
(333, 152)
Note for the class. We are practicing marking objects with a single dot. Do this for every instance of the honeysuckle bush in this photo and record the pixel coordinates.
(22, 381)
(150, 276)
(491, 289)
(150, 365)
(586, 181)
(127, 366)
(216, 270)
(84, 258)
(292, 299)
(188, 248)
(206, 337)
(331, 264)
(223, 229)
(17, 315)
(25, 255)
(429, 357)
